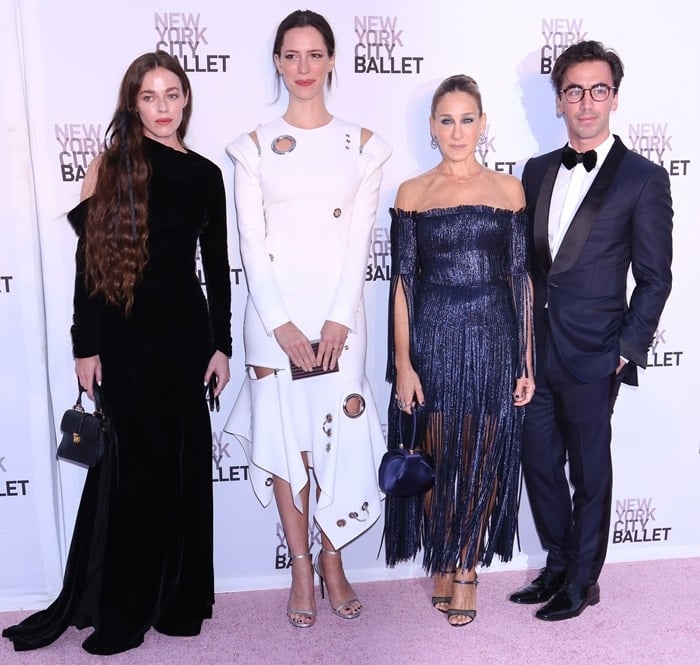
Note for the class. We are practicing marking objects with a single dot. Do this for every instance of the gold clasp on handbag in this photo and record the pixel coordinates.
(76, 437)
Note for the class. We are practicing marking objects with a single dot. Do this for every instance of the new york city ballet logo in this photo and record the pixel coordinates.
(184, 36)
(486, 153)
(224, 471)
(379, 265)
(635, 522)
(659, 355)
(5, 283)
(655, 142)
(379, 47)
(78, 143)
(10, 487)
(283, 557)
(558, 34)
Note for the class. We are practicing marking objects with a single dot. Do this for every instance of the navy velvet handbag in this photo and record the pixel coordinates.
(406, 471)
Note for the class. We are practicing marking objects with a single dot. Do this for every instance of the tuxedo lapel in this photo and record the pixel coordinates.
(581, 224)
(541, 223)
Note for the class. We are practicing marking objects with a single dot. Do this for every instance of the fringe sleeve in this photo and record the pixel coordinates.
(521, 288)
(403, 267)
(403, 519)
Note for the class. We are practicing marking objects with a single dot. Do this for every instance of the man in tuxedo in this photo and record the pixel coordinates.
(595, 210)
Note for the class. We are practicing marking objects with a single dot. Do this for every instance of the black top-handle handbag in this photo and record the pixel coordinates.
(86, 436)
(406, 471)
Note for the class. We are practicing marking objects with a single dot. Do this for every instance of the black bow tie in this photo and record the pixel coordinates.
(569, 158)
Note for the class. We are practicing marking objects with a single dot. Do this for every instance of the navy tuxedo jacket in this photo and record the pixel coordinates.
(625, 220)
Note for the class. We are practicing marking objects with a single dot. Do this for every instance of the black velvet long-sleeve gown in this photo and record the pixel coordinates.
(141, 555)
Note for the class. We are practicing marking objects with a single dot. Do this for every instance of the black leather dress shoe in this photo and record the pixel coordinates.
(541, 589)
(569, 602)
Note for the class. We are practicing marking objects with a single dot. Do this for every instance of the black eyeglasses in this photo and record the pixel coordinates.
(598, 93)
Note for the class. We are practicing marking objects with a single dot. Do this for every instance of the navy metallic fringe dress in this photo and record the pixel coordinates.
(464, 273)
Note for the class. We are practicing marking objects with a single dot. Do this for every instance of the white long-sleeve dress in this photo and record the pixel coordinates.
(304, 220)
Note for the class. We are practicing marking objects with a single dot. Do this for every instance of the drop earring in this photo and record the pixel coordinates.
(433, 142)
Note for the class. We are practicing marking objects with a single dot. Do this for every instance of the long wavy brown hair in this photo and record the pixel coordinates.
(116, 233)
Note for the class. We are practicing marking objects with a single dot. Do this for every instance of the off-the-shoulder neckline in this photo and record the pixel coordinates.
(455, 209)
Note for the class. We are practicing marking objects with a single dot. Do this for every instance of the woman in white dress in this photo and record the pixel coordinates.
(306, 189)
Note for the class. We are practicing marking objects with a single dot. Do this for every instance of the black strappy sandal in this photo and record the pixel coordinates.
(437, 600)
(471, 614)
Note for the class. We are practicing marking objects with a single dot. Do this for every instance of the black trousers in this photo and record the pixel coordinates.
(569, 421)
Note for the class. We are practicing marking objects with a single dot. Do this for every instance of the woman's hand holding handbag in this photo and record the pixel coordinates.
(406, 471)
(87, 437)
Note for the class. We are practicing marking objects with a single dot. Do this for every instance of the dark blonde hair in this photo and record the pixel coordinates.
(456, 83)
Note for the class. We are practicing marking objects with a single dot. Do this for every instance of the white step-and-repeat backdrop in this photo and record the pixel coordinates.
(61, 66)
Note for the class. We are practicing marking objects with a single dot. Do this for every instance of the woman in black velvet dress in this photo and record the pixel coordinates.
(141, 554)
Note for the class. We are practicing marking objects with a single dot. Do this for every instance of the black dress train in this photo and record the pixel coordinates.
(464, 274)
(141, 555)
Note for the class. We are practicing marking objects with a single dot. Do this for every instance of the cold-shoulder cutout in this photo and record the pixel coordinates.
(365, 135)
(245, 149)
(254, 138)
(373, 147)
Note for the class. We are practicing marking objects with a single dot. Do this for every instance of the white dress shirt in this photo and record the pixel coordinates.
(569, 190)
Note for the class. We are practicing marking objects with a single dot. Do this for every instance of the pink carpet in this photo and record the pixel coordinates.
(648, 613)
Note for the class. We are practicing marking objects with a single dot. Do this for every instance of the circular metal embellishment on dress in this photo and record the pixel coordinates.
(341, 523)
(268, 482)
(337, 213)
(354, 515)
(326, 427)
(283, 144)
(356, 402)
